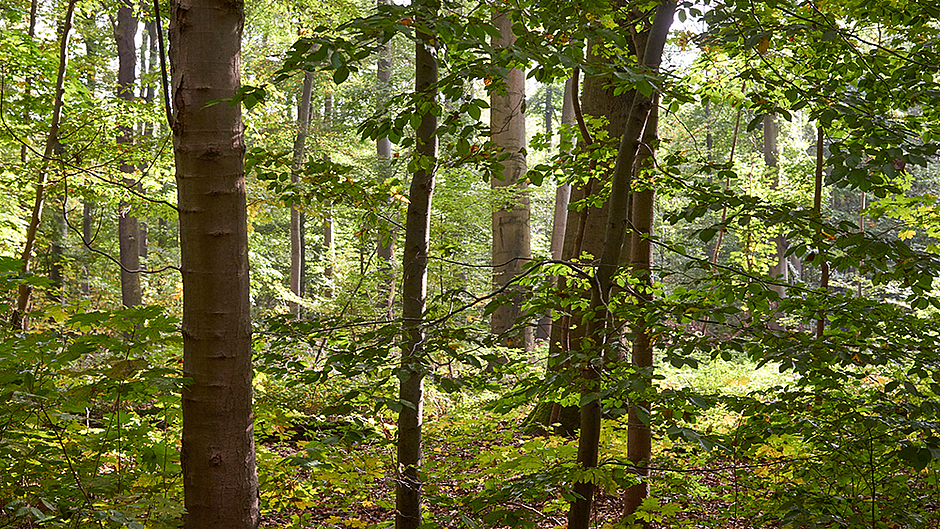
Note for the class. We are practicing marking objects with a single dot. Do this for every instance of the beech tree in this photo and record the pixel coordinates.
(296, 215)
(385, 248)
(219, 477)
(596, 321)
(415, 283)
(511, 236)
(125, 31)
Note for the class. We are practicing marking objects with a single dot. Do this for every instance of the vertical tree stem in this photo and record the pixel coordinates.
(52, 138)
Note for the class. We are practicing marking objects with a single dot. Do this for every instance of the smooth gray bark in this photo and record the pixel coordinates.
(510, 221)
(296, 225)
(385, 247)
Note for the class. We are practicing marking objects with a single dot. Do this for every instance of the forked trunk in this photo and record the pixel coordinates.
(596, 319)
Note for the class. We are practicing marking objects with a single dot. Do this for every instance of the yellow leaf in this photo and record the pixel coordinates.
(762, 45)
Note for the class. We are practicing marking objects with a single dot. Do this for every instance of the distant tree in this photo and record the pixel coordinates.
(385, 249)
(511, 235)
(296, 215)
(125, 32)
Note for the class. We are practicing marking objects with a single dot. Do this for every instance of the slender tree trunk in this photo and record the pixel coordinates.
(414, 284)
(560, 212)
(639, 434)
(861, 229)
(128, 225)
(31, 31)
(779, 269)
(563, 191)
(296, 227)
(817, 211)
(328, 212)
(57, 253)
(219, 478)
(596, 319)
(52, 139)
(148, 64)
(88, 204)
(724, 211)
(511, 236)
(88, 209)
(385, 248)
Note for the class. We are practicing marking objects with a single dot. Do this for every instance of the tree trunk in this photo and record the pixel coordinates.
(88, 204)
(148, 65)
(296, 228)
(511, 237)
(128, 226)
(219, 479)
(328, 213)
(31, 31)
(88, 209)
(639, 434)
(52, 139)
(560, 212)
(414, 285)
(596, 319)
(585, 228)
(385, 248)
(57, 253)
(817, 211)
(779, 269)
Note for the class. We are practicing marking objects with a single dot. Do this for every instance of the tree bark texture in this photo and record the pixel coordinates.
(596, 319)
(296, 237)
(414, 285)
(219, 477)
(511, 234)
(128, 225)
(52, 139)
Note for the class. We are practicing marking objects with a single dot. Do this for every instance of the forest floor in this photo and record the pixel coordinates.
(364, 497)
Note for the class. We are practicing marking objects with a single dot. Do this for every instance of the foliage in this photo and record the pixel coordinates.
(751, 411)
(90, 418)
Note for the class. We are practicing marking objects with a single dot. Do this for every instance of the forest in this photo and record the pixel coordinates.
(467, 264)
